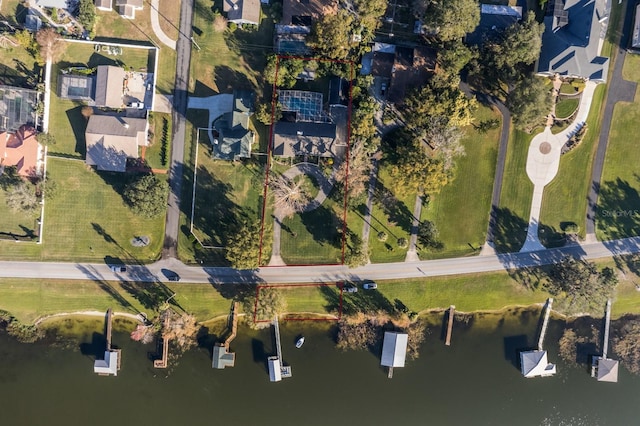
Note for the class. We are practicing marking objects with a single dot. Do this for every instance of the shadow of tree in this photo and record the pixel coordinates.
(509, 231)
(106, 286)
(227, 79)
(324, 226)
(618, 212)
(365, 301)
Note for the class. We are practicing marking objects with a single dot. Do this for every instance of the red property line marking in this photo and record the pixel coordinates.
(258, 287)
(270, 148)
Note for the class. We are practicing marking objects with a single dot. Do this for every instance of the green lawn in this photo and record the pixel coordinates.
(631, 69)
(394, 219)
(88, 220)
(158, 152)
(68, 125)
(29, 300)
(566, 107)
(227, 61)
(17, 223)
(565, 198)
(515, 199)
(618, 213)
(461, 210)
(76, 54)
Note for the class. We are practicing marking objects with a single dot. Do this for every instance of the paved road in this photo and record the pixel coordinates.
(160, 271)
(619, 90)
(183, 57)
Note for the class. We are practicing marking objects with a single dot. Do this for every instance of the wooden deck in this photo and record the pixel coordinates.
(162, 363)
(452, 311)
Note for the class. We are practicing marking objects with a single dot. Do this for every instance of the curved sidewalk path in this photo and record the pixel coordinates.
(325, 185)
(543, 161)
(157, 29)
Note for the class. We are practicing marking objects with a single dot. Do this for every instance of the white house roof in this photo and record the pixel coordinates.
(607, 370)
(534, 364)
(58, 4)
(394, 349)
(108, 365)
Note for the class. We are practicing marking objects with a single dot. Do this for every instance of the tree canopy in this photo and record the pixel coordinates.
(428, 236)
(146, 195)
(415, 170)
(243, 247)
(22, 197)
(87, 14)
(449, 19)
(50, 45)
(331, 35)
(529, 102)
(284, 72)
(580, 285)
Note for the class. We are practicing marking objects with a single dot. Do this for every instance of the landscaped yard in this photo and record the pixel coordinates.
(88, 220)
(461, 210)
(17, 223)
(565, 198)
(512, 217)
(618, 213)
(158, 152)
(566, 107)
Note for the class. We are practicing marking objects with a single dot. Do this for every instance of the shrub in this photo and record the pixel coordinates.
(571, 228)
(403, 243)
(382, 236)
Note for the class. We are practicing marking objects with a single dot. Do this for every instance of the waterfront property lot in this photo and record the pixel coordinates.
(88, 220)
(618, 212)
(565, 198)
(391, 214)
(461, 210)
(24, 226)
(512, 215)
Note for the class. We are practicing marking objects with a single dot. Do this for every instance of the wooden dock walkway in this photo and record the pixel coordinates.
(607, 321)
(545, 323)
(162, 363)
(234, 325)
(452, 311)
(109, 328)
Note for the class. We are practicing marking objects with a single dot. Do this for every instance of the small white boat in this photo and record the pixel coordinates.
(300, 342)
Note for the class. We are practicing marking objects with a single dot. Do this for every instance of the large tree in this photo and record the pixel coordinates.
(50, 45)
(579, 285)
(87, 14)
(454, 55)
(331, 35)
(415, 170)
(146, 195)
(444, 139)
(243, 247)
(22, 198)
(449, 19)
(367, 14)
(522, 41)
(440, 98)
(260, 311)
(529, 102)
(291, 195)
(428, 236)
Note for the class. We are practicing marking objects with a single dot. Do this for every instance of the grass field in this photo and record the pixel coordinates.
(394, 220)
(76, 54)
(158, 152)
(566, 107)
(618, 213)
(631, 69)
(565, 198)
(17, 223)
(461, 210)
(515, 198)
(88, 220)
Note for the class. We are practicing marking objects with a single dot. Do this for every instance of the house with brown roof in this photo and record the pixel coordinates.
(242, 11)
(305, 12)
(112, 139)
(127, 8)
(22, 150)
(109, 86)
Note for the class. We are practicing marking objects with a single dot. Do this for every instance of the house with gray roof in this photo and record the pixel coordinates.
(127, 8)
(234, 138)
(572, 40)
(112, 139)
(535, 364)
(109, 86)
(635, 37)
(242, 11)
(105, 5)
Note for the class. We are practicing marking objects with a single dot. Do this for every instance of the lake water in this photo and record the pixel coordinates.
(473, 382)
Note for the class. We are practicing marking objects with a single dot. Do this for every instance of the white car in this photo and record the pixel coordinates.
(369, 285)
(118, 268)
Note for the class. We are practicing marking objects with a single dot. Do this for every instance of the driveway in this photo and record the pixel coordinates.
(217, 105)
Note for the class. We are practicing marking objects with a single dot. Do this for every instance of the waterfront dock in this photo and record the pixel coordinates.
(164, 361)
(222, 356)
(534, 363)
(277, 371)
(603, 368)
(110, 364)
(452, 311)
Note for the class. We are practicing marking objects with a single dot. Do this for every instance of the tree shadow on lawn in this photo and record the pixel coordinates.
(396, 211)
(324, 226)
(509, 231)
(366, 301)
(227, 80)
(92, 274)
(78, 126)
(618, 211)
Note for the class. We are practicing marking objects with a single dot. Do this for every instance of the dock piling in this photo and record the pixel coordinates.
(452, 310)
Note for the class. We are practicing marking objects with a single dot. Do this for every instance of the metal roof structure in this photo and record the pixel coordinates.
(108, 365)
(222, 358)
(535, 364)
(17, 107)
(394, 349)
(306, 105)
(76, 87)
